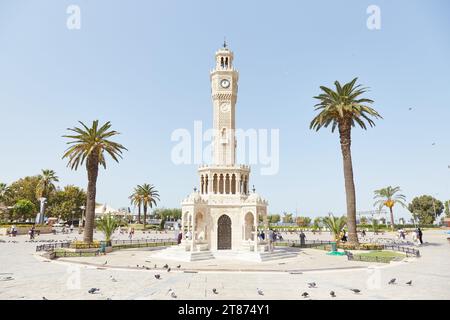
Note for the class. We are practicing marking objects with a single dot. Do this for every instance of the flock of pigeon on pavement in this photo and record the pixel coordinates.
(171, 292)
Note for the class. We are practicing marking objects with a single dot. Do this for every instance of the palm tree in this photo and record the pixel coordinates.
(136, 201)
(89, 145)
(335, 225)
(344, 108)
(388, 197)
(46, 185)
(108, 224)
(5, 193)
(148, 195)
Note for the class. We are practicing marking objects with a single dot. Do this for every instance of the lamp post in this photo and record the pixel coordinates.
(42, 209)
(82, 217)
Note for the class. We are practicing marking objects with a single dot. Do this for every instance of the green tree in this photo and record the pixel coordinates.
(335, 225)
(66, 203)
(425, 209)
(136, 201)
(388, 197)
(303, 222)
(343, 109)
(24, 209)
(46, 187)
(5, 193)
(317, 223)
(89, 146)
(108, 224)
(288, 217)
(274, 218)
(24, 188)
(169, 214)
(447, 209)
(148, 195)
(363, 220)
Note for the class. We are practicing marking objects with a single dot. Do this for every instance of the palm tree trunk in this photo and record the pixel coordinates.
(392, 218)
(92, 170)
(145, 214)
(139, 213)
(345, 137)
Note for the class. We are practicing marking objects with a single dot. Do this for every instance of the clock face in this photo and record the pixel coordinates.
(225, 107)
(225, 83)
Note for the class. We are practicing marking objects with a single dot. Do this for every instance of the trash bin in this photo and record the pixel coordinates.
(103, 247)
(333, 246)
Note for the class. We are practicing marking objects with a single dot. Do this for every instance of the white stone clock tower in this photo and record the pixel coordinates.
(224, 88)
(222, 215)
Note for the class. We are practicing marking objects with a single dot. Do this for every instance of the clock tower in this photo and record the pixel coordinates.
(224, 88)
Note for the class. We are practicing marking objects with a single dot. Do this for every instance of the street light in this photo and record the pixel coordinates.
(82, 216)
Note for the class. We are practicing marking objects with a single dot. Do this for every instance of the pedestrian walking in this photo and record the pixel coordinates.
(419, 235)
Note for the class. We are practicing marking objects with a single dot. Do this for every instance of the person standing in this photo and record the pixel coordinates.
(302, 238)
(419, 235)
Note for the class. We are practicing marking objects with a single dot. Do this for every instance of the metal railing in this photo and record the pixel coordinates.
(409, 251)
(144, 243)
(52, 246)
(306, 244)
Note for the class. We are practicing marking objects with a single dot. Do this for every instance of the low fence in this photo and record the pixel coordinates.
(128, 244)
(63, 254)
(52, 246)
(326, 245)
(351, 256)
(409, 251)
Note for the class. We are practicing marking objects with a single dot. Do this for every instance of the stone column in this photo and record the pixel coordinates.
(255, 223)
(193, 232)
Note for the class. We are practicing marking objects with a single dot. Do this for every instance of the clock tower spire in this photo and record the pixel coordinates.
(224, 88)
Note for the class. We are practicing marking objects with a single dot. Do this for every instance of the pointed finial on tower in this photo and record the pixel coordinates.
(254, 190)
(225, 42)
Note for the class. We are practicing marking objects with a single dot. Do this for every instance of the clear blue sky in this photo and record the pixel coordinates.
(144, 65)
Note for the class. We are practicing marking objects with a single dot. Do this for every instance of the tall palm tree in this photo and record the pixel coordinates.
(136, 200)
(148, 195)
(89, 145)
(388, 197)
(344, 108)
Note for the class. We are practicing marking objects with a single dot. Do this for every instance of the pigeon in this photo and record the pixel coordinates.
(214, 290)
(260, 292)
(179, 266)
(105, 262)
(113, 279)
(172, 293)
(305, 294)
(93, 290)
(356, 291)
(312, 285)
(168, 270)
(157, 276)
(332, 294)
(44, 298)
(155, 266)
(137, 266)
(166, 266)
(409, 282)
(147, 268)
(392, 281)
